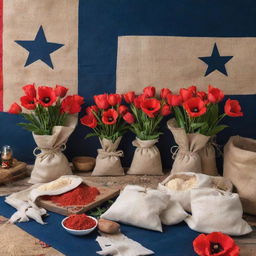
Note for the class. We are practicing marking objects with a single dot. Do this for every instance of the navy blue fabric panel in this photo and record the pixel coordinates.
(174, 241)
(100, 24)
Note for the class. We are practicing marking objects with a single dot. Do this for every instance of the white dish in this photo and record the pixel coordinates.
(79, 232)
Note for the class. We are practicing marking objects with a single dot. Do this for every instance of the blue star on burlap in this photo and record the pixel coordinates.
(216, 62)
(39, 48)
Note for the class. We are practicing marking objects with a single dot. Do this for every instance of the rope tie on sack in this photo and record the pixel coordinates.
(175, 149)
(216, 146)
(106, 154)
(46, 152)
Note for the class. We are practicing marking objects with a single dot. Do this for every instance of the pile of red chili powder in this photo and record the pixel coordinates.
(81, 195)
(79, 222)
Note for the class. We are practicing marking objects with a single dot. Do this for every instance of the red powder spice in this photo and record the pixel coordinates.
(79, 222)
(81, 195)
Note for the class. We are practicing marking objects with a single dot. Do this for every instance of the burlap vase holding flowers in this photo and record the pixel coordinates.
(240, 168)
(51, 163)
(108, 160)
(208, 159)
(186, 156)
(146, 159)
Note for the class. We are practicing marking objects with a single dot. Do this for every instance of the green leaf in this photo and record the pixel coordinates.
(217, 129)
(89, 135)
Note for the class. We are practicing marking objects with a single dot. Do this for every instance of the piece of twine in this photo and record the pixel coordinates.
(105, 154)
(176, 149)
(46, 152)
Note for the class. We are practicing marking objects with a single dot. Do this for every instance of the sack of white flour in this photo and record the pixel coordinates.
(51, 163)
(217, 211)
(179, 186)
(145, 208)
(25, 201)
(186, 156)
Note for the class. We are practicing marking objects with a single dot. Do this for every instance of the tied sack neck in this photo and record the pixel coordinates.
(144, 143)
(48, 152)
(109, 148)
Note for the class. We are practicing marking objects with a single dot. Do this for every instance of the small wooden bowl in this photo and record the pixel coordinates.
(83, 163)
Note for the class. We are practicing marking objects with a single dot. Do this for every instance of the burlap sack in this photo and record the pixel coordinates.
(145, 208)
(186, 157)
(146, 159)
(240, 168)
(108, 160)
(51, 163)
(217, 211)
(208, 159)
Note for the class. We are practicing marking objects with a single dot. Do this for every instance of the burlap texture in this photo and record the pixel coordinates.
(208, 159)
(108, 160)
(64, 16)
(146, 159)
(217, 211)
(172, 62)
(51, 163)
(240, 168)
(186, 156)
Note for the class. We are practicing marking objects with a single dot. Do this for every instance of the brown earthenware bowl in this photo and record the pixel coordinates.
(83, 163)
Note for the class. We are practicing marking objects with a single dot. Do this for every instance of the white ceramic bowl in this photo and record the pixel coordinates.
(79, 232)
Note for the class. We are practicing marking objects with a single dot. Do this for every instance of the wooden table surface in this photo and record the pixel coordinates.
(247, 243)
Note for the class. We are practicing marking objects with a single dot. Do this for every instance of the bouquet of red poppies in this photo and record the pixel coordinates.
(107, 117)
(148, 111)
(198, 111)
(109, 120)
(47, 106)
(197, 121)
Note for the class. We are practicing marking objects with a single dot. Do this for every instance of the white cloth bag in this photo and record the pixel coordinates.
(25, 201)
(146, 159)
(217, 211)
(108, 160)
(145, 208)
(51, 163)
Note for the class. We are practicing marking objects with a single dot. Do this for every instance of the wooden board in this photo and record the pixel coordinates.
(19, 170)
(105, 194)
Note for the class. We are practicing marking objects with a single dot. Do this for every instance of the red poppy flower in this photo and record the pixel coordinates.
(137, 101)
(174, 100)
(114, 99)
(149, 91)
(203, 96)
(89, 110)
(122, 109)
(164, 92)
(193, 88)
(215, 95)
(233, 108)
(101, 101)
(30, 90)
(72, 104)
(28, 102)
(194, 107)
(186, 93)
(15, 109)
(129, 118)
(150, 107)
(215, 244)
(129, 97)
(60, 91)
(46, 96)
(109, 117)
(166, 110)
(89, 120)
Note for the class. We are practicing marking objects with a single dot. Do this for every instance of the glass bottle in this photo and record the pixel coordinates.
(6, 157)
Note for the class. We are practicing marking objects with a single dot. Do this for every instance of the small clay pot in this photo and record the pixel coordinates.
(83, 163)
